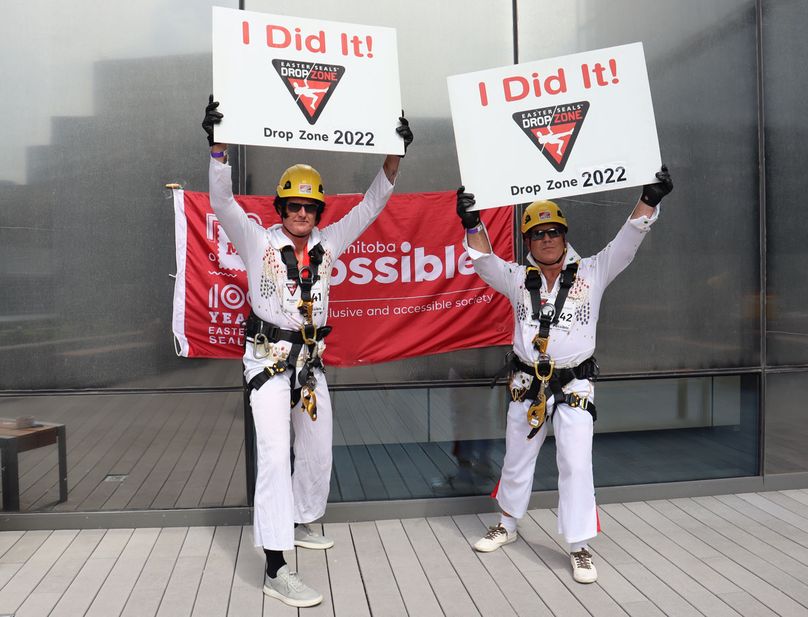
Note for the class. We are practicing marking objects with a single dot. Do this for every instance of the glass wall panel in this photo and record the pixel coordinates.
(103, 103)
(689, 300)
(135, 451)
(441, 442)
(785, 92)
(785, 426)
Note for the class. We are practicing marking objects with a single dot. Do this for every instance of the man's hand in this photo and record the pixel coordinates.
(404, 132)
(464, 202)
(652, 194)
(212, 117)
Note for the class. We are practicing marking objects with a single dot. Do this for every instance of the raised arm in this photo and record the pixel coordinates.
(392, 161)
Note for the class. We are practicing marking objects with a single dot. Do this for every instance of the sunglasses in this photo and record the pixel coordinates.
(294, 207)
(553, 232)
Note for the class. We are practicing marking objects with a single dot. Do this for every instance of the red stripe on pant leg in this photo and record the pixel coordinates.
(597, 518)
(494, 492)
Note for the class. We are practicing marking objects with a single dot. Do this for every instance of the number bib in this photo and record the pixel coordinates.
(567, 317)
(291, 296)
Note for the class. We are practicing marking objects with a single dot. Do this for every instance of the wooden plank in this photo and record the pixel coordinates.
(246, 595)
(107, 412)
(178, 599)
(413, 479)
(487, 597)
(788, 503)
(384, 597)
(147, 493)
(774, 556)
(144, 601)
(393, 482)
(555, 556)
(213, 596)
(526, 555)
(671, 541)
(676, 591)
(766, 519)
(78, 597)
(454, 598)
(313, 569)
(124, 491)
(9, 539)
(111, 598)
(14, 593)
(738, 564)
(203, 466)
(70, 562)
(230, 458)
(511, 582)
(753, 528)
(38, 605)
(760, 500)
(101, 455)
(373, 484)
(24, 547)
(609, 578)
(347, 590)
(208, 421)
(123, 456)
(236, 494)
(695, 582)
(50, 589)
(350, 487)
(413, 584)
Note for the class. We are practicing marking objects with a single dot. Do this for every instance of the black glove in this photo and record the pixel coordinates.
(404, 132)
(652, 194)
(464, 202)
(212, 116)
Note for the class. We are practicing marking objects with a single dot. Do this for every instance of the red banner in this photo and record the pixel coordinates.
(405, 288)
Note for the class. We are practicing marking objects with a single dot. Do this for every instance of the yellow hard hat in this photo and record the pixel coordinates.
(301, 181)
(540, 212)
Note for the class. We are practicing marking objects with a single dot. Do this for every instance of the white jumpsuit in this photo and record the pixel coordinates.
(282, 499)
(571, 342)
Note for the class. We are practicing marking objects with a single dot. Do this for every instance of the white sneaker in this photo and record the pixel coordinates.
(497, 536)
(583, 570)
(307, 538)
(289, 589)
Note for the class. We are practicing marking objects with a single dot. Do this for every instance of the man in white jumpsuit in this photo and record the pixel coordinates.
(552, 367)
(289, 271)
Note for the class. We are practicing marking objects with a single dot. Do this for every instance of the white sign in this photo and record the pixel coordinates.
(305, 83)
(563, 126)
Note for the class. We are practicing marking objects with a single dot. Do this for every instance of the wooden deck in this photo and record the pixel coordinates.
(726, 555)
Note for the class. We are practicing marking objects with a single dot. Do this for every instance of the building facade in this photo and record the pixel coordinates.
(703, 341)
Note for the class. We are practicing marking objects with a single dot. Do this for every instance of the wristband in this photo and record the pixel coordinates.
(476, 229)
(219, 155)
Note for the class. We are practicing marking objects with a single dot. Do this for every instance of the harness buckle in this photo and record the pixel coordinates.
(517, 394)
(543, 368)
(260, 346)
(573, 400)
(308, 400)
(309, 339)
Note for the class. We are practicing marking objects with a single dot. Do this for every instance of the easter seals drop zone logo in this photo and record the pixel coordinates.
(553, 130)
(311, 84)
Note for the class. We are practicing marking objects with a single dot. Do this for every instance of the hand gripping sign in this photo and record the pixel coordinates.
(304, 83)
(563, 126)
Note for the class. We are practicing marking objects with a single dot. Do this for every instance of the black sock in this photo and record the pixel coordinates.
(275, 562)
